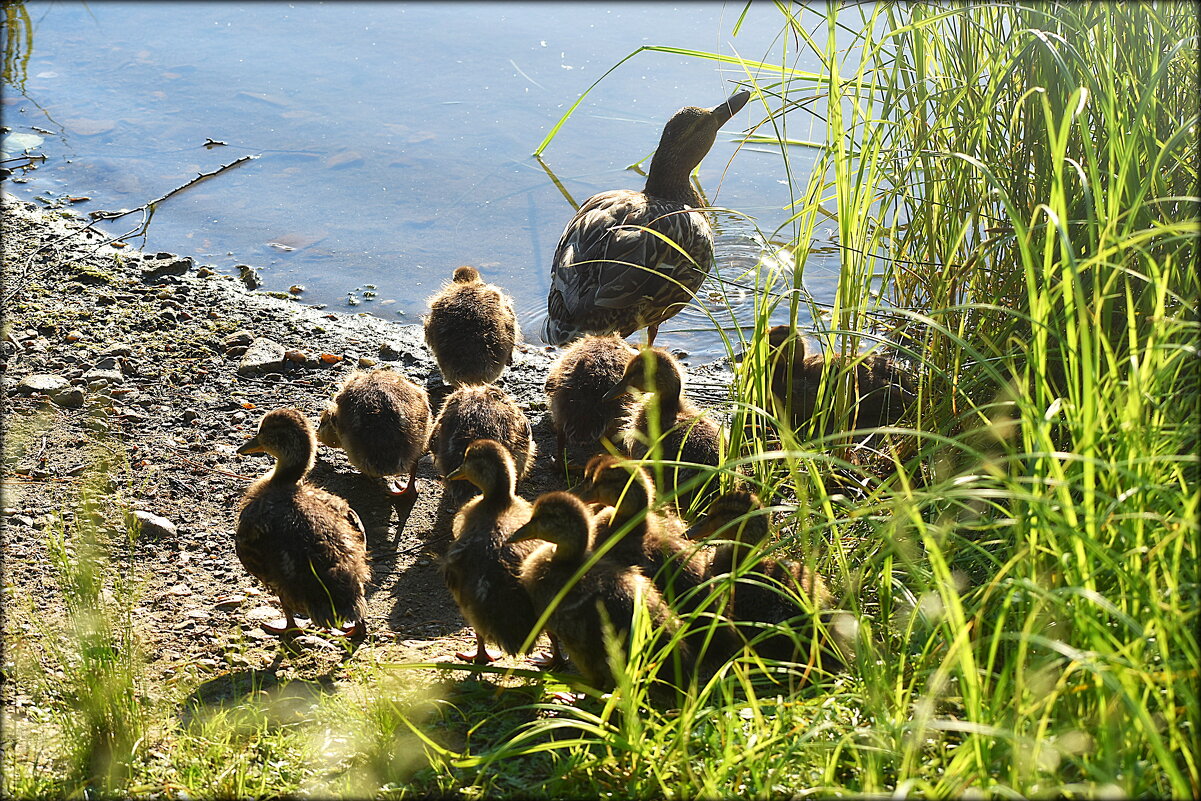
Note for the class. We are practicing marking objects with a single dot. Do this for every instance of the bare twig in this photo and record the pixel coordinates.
(149, 206)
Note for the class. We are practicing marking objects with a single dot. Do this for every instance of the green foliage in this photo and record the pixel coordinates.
(1015, 193)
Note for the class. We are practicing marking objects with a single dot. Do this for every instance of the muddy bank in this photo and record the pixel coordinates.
(133, 377)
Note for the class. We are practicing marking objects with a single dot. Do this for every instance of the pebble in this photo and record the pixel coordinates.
(71, 398)
(238, 339)
(249, 276)
(390, 351)
(42, 384)
(152, 525)
(189, 415)
(107, 370)
(263, 356)
(367, 361)
(161, 267)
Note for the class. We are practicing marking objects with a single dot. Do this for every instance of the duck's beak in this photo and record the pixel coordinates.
(615, 393)
(455, 475)
(251, 445)
(723, 112)
(527, 532)
(698, 530)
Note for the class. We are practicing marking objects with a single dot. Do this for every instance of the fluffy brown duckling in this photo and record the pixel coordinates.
(768, 592)
(883, 390)
(471, 329)
(481, 566)
(578, 380)
(565, 523)
(629, 260)
(382, 421)
(480, 412)
(306, 545)
(687, 434)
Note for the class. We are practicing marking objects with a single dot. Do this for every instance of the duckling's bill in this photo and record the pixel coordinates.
(251, 445)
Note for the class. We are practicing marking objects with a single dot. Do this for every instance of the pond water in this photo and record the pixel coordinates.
(395, 139)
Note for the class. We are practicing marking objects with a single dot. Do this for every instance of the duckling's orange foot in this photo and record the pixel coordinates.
(281, 631)
(355, 632)
(482, 656)
(548, 661)
(409, 493)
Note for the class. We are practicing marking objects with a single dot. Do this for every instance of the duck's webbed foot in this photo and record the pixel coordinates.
(482, 655)
(289, 629)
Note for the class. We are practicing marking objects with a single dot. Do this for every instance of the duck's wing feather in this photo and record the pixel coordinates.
(608, 261)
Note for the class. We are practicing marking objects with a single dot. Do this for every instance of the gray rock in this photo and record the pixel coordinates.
(390, 351)
(238, 339)
(249, 276)
(42, 384)
(71, 398)
(151, 525)
(263, 356)
(107, 369)
(160, 268)
(117, 349)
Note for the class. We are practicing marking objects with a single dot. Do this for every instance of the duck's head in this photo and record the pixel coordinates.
(287, 435)
(612, 481)
(650, 370)
(488, 465)
(689, 135)
(561, 518)
(735, 516)
(467, 275)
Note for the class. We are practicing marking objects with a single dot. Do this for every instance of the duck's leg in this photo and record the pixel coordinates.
(482, 655)
(650, 334)
(289, 629)
(559, 460)
(410, 490)
(357, 631)
(552, 661)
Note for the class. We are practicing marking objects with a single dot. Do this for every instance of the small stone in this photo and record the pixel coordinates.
(298, 356)
(367, 361)
(117, 349)
(205, 272)
(42, 384)
(74, 336)
(168, 266)
(313, 641)
(189, 415)
(261, 614)
(71, 398)
(108, 370)
(238, 339)
(249, 276)
(263, 356)
(389, 351)
(152, 525)
(230, 602)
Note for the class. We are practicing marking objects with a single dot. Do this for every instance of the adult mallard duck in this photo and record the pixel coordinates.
(777, 598)
(609, 590)
(480, 412)
(382, 421)
(577, 382)
(630, 260)
(686, 432)
(481, 566)
(306, 545)
(882, 389)
(471, 329)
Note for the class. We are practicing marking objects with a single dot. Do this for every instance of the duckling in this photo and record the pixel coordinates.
(655, 543)
(480, 412)
(769, 592)
(609, 590)
(481, 567)
(883, 390)
(382, 421)
(306, 545)
(630, 260)
(688, 435)
(471, 329)
(585, 373)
